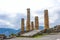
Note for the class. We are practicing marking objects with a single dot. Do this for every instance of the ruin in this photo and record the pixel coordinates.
(22, 25)
(36, 23)
(28, 20)
(32, 29)
(46, 19)
(32, 25)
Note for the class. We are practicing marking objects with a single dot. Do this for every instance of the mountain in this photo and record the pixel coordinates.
(41, 27)
(8, 31)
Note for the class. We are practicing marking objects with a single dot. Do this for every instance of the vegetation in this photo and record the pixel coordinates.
(3, 36)
(49, 31)
(39, 35)
(12, 35)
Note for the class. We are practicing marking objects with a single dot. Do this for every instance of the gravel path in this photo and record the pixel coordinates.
(47, 37)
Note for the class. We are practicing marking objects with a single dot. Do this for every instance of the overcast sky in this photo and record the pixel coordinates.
(11, 12)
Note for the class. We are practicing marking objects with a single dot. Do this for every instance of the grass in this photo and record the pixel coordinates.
(39, 35)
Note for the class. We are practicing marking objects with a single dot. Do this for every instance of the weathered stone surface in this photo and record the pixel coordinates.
(36, 23)
(22, 25)
(31, 33)
(32, 25)
(28, 20)
(46, 19)
(57, 28)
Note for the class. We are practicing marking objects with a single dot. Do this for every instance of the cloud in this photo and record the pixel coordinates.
(6, 22)
(11, 11)
(15, 6)
(9, 25)
(52, 12)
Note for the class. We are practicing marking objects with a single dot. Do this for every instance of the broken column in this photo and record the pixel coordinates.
(46, 19)
(32, 25)
(22, 25)
(36, 23)
(28, 20)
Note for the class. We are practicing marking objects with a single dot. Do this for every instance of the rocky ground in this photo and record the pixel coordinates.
(31, 33)
(53, 36)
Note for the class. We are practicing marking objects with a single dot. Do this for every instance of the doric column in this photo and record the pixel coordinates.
(32, 25)
(22, 25)
(28, 20)
(46, 19)
(36, 23)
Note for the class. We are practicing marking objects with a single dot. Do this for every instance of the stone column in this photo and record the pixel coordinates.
(28, 20)
(46, 19)
(36, 23)
(22, 25)
(32, 25)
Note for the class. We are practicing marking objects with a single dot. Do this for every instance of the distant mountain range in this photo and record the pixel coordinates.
(41, 27)
(8, 31)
